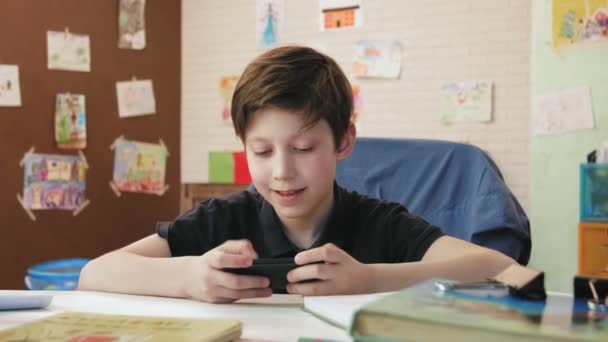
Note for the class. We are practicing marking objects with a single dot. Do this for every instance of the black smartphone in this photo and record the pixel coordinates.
(274, 269)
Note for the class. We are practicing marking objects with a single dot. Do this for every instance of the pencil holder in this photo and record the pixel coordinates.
(594, 192)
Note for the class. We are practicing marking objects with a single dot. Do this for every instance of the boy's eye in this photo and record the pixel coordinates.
(261, 153)
(305, 149)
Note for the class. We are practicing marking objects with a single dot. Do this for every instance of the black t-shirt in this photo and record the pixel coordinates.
(370, 230)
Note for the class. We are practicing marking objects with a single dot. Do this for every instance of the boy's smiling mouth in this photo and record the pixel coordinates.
(288, 194)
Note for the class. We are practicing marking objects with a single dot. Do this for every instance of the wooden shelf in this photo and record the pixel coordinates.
(192, 194)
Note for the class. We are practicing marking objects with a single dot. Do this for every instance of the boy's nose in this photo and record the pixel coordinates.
(282, 167)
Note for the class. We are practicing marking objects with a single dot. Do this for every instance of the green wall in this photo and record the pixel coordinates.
(554, 160)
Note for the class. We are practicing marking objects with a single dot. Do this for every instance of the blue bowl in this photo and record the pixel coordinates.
(55, 275)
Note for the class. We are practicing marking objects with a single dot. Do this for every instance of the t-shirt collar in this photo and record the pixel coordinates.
(278, 244)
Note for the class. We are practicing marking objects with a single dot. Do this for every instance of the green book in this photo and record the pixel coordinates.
(424, 312)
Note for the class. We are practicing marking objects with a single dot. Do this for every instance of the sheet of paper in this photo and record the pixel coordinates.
(68, 51)
(275, 299)
(10, 92)
(70, 121)
(10, 300)
(578, 23)
(467, 101)
(131, 24)
(135, 98)
(377, 59)
(336, 14)
(562, 111)
(227, 85)
(139, 167)
(339, 310)
(53, 181)
(269, 22)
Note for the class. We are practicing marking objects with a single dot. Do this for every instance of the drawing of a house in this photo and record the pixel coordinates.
(340, 17)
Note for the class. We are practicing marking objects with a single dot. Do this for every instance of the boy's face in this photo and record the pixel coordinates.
(292, 168)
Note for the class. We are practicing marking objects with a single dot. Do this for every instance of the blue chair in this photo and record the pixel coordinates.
(454, 186)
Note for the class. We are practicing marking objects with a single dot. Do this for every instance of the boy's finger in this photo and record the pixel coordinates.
(309, 256)
(242, 282)
(219, 259)
(310, 272)
(238, 247)
(326, 253)
(311, 288)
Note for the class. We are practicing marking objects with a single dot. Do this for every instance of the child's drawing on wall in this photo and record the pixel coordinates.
(70, 121)
(227, 85)
(10, 92)
(468, 101)
(131, 24)
(135, 98)
(578, 22)
(139, 167)
(53, 182)
(269, 21)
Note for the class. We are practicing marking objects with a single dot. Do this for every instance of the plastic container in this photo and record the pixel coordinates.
(594, 193)
(55, 274)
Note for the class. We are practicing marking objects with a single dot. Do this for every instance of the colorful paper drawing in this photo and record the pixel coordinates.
(563, 111)
(68, 51)
(70, 121)
(378, 59)
(340, 13)
(10, 92)
(228, 168)
(357, 102)
(269, 22)
(131, 24)
(469, 101)
(54, 181)
(227, 85)
(135, 98)
(139, 167)
(579, 22)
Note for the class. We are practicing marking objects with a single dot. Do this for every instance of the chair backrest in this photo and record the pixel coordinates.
(454, 186)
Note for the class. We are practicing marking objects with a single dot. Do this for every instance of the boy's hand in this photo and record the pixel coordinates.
(339, 273)
(207, 282)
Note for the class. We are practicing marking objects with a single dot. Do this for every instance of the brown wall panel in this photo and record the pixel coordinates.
(108, 222)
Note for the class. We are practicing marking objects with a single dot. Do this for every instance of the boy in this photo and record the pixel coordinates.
(292, 110)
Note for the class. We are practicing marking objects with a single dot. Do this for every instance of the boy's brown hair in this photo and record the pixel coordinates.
(297, 79)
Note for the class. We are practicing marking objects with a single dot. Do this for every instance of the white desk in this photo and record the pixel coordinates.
(261, 321)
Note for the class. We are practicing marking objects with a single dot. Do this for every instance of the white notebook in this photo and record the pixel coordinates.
(21, 300)
(339, 310)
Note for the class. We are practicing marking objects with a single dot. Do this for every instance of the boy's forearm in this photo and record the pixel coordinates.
(471, 267)
(125, 272)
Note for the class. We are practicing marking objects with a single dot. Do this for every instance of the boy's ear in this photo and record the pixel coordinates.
(348, 142)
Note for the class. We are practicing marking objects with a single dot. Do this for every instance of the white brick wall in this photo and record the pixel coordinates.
(443, 40)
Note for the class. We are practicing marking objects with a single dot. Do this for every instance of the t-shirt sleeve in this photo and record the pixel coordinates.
(191, 233)
(410, 235)
(209, 224)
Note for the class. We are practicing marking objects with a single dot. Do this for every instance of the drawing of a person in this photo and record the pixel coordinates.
(269, 37)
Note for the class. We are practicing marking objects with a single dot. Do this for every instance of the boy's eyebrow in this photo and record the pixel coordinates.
(256, 139)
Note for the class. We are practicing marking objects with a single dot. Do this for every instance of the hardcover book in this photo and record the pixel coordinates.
(425, 312)
(82, 327)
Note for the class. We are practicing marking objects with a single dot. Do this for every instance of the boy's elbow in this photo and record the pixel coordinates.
(84, 282)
